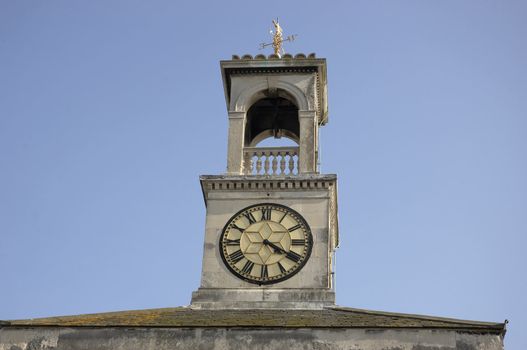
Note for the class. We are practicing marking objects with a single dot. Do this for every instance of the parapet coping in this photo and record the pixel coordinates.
(286, 56)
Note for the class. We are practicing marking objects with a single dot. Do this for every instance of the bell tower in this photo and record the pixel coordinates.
(271, 224)
(274, 98)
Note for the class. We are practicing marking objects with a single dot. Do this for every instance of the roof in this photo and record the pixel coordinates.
(336, 317)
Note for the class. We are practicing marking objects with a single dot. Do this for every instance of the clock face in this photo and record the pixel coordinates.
(265, 243)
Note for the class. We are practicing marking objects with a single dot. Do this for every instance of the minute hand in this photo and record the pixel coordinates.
(274, 246)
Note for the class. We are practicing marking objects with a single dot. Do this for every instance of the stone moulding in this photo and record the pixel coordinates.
(262, 183)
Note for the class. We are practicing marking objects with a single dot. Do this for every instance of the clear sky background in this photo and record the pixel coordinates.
(110, 110)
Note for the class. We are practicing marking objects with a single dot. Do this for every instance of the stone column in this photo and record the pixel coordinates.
(307, 152)
(236, 139)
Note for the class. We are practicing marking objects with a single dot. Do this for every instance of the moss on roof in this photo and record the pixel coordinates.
(336, 317)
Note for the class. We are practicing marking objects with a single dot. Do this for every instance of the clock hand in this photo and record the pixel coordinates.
(274, 246)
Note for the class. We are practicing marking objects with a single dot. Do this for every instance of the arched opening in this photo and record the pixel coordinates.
(272, 136)
(272, 117)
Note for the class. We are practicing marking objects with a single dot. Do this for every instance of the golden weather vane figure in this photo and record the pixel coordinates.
(277, 39)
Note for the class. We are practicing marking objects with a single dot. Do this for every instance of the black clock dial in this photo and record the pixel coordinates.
(265, 243)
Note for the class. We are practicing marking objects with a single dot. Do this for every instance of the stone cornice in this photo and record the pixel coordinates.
(266, 183)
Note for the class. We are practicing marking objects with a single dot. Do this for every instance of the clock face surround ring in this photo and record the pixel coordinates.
(265, 243)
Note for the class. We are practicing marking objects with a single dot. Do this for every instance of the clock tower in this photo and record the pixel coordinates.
(271, 225)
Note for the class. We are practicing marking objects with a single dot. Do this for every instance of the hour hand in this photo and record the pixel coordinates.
(274, 246)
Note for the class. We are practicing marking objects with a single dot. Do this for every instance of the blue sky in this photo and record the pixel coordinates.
(110, 110)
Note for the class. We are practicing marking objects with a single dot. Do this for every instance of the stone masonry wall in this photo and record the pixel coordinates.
(15, 338)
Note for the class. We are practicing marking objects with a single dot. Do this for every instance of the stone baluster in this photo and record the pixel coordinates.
(282, 163)
(275, 162)
(270, 161)
(266, 164)
(258, 163)
(291, 163)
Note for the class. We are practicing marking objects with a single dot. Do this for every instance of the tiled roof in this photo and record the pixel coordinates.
(337, 317)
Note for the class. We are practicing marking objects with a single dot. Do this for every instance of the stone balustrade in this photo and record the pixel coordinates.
(270, 161)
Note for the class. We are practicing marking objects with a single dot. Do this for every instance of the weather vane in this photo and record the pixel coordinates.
(277, 39)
